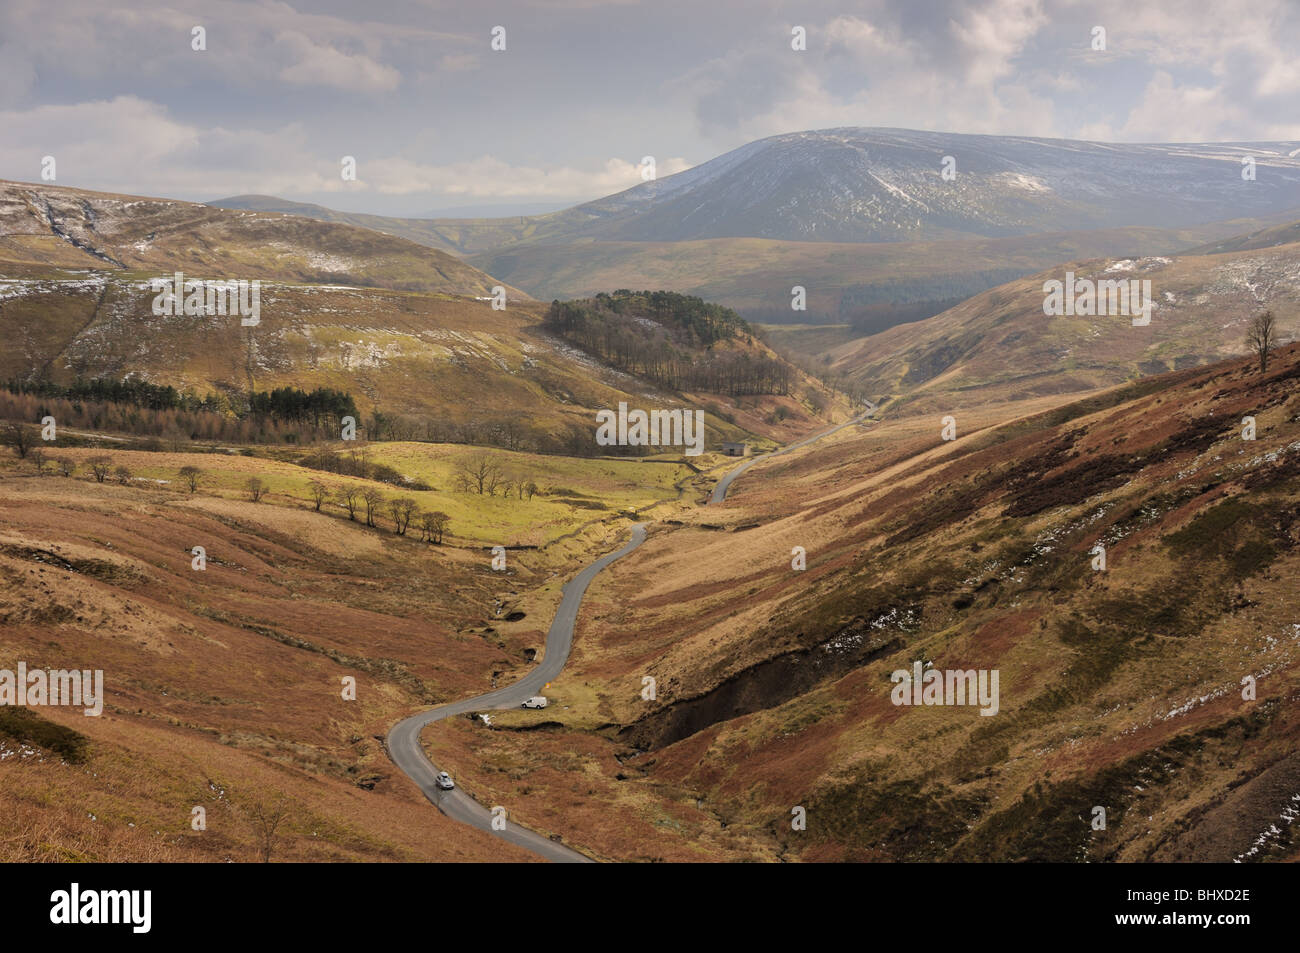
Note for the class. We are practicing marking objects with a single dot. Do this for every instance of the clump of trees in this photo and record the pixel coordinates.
(402, 509)
(283, 415)
(480, 474)
(322, 407)
(434, 525)
(669, 338)
(356, 462)
(484, 475)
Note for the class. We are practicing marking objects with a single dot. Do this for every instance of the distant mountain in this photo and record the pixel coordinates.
(887, 185)
(497, 210)
(856, 185)
(744, 227)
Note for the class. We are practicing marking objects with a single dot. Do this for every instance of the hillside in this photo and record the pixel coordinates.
(1284, 234)
(873, 284)
(223, 681)
(44, 226)
(456, 236)
(76, 302)
(1000, 346)
(1120, 688)
(223, 686)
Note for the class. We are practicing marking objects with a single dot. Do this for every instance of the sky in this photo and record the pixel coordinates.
(436, 119)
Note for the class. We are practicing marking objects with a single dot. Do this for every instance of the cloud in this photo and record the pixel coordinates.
(457, 62)
(489, 177)
(117, 94)
(956, 71)
(17, 74)
(131, 145)
(320, 65)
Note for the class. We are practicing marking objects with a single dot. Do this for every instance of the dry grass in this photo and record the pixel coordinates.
(1118, 688)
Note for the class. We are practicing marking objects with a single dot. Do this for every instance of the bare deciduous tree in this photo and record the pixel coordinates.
(123, 475)
(373, 500)
(402, 508)
(66, 466)
(348, 497)
(318, 492)
(100, 467)
(1262, 337)
(481, 474)
(20, 438)
(255, 488)
(190, 475)
(266, 818)
(435, 525)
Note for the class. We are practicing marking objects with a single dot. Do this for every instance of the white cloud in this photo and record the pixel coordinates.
(321, 65)
(131, 145)
(489, 177)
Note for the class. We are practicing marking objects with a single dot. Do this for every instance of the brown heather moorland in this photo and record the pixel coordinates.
(1119, 689)
(224, 686)
(999, 346)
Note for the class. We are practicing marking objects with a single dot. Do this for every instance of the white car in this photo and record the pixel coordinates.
(444, 781)
(537, 701)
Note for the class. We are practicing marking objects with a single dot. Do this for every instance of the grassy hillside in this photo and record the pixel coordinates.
(1285, 234)
(224, 685)
(438, 367)
(43, 226)
(407, 332)
(878, 283)
(1119, 688)
(999, 346)
(457, 236)
(875, 284)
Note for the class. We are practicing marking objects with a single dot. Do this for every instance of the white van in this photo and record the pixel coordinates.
(537, 701)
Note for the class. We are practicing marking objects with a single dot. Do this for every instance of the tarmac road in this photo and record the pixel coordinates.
(720, 491)
(404, 740)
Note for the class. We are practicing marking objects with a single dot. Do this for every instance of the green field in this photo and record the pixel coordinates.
(571, 491)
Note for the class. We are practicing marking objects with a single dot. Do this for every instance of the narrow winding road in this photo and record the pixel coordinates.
(720, 491)
(404, 739)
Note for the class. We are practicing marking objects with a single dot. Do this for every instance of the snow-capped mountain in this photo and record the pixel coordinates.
(869, 185)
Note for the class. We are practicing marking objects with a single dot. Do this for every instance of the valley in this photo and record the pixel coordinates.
(324, 555)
